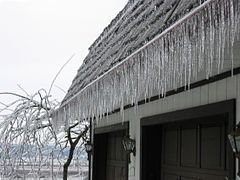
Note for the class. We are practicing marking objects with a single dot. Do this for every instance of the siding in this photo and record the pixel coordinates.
(225, 89)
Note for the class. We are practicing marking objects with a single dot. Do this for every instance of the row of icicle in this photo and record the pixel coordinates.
(174, 60)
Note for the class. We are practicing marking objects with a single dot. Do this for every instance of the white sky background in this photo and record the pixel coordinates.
(38, 36)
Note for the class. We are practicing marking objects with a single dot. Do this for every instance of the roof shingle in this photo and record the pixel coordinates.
(138, 23)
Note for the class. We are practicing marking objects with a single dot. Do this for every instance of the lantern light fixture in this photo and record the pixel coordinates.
(89, 148)
(234, 139)
(129, 146)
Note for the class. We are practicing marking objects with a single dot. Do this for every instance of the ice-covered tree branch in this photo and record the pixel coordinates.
(28, 137)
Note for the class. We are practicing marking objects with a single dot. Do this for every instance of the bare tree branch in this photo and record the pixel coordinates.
(60, 89)
(54, 79)
(23, 90)
(28, 130)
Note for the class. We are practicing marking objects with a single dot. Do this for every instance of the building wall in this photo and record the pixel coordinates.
(228, 88)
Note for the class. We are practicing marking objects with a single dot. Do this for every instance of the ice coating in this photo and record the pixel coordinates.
(172, 60)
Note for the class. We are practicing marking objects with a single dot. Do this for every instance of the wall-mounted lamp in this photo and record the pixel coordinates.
(234, 139)
(89, 148)
(129, 146)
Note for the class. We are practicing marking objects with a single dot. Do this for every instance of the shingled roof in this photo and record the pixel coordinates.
(138, 23)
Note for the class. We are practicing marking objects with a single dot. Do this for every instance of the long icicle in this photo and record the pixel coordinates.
(170, 60)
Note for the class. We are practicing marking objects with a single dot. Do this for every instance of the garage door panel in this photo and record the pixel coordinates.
(212, 177)
(111, 148)
(194, 151)
(116, 162)
(171, 150)
(111, 172)
(188, 178)
(189, 148)
(119, 173)
(169, 176)
(120, 151)
(194, 173)
(212, 151)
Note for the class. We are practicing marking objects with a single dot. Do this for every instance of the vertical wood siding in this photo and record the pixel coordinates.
(225, 89)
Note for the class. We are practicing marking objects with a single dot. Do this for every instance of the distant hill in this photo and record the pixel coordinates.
(46, 150)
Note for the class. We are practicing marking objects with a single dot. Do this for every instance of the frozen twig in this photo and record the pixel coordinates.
(54, 79)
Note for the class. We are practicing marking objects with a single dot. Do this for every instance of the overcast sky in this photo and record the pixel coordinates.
(38, 36)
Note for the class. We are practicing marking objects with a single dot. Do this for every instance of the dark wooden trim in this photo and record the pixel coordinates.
(112, 128)
(228, 108)
(182, 89)
(192, 113)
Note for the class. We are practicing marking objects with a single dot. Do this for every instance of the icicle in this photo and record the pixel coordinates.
(173, 60)
(232, 32)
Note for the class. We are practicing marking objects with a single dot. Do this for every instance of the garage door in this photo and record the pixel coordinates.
(109, 158)
(195, 150)
(116, 157)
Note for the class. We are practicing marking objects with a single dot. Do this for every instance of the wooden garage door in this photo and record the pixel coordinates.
(116, 167)
(195, 151)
